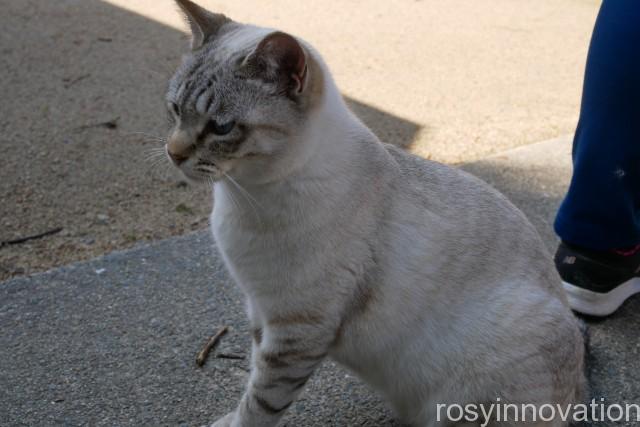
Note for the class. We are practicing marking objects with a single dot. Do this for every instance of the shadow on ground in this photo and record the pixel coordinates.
(389, 128)
(87, 80)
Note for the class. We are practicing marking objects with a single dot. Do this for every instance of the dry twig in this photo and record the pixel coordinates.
(230, 356)
(213, 341)
(32, 237)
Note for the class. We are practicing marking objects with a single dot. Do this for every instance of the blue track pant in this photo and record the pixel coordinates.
(602, 207)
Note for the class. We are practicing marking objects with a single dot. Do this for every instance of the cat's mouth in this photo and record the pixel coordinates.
(202, 171)
(197, 169)
(206, 165)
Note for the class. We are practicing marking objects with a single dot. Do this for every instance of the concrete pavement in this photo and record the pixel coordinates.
(112, 341)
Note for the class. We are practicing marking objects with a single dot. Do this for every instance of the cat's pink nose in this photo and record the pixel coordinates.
(179, 147)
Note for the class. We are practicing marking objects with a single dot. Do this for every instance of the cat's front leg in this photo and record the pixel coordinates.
(285, 354)
(224, 421)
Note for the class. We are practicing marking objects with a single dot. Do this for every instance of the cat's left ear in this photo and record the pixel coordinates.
(279, 58)
(204, 24)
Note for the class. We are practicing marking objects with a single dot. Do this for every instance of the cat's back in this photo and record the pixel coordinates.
(445, 188)
(454, 193)
(471, 222)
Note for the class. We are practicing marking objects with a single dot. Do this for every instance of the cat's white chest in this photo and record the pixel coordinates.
(254, 259)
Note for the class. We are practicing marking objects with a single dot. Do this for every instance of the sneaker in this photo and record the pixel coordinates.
(597, 283)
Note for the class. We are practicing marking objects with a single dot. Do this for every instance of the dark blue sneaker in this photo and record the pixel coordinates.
(597, 283)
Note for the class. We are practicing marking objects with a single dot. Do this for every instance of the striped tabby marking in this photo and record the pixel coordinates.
(268, 408)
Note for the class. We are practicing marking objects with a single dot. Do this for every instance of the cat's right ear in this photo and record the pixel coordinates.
(204, 24)
(280, 58)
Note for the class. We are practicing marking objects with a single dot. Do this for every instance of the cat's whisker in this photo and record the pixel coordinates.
(159, 162)
(158, 140)
(247, 196)
(154, 153)
(208, 176)
(152, 138)
(165, 167)
(147, 137)
(157, 149)
(154, 156)
(244, 191)
(233, 200)
(154, 161)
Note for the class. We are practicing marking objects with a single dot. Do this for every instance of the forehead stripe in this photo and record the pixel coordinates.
(191, 78)
(190, 89)
(204, 101)
(180, 91)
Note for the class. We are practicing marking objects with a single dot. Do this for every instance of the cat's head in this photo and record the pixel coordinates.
(238, 99)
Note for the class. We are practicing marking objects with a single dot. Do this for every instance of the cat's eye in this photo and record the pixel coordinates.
(219, 129)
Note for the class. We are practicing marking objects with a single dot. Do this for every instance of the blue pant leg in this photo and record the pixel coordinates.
(602, 207)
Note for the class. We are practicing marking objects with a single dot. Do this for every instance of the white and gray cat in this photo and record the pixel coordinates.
(421, 279)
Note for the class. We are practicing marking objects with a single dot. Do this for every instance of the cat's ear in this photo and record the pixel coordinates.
(280, 58)
(204, 24)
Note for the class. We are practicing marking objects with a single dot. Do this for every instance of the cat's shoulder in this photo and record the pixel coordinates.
(413, 166)
(428, 180)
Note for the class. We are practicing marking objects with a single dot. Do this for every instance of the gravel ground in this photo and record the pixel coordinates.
(91, 344)
(83, 84)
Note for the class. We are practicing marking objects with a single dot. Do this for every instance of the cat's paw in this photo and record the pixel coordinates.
(225, 421)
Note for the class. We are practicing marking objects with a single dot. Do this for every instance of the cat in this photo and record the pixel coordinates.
(421, 279)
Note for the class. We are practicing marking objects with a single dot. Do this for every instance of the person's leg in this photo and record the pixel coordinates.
(599, 219)
(602, 208)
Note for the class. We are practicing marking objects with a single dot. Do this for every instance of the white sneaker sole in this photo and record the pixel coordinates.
(600, 304)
